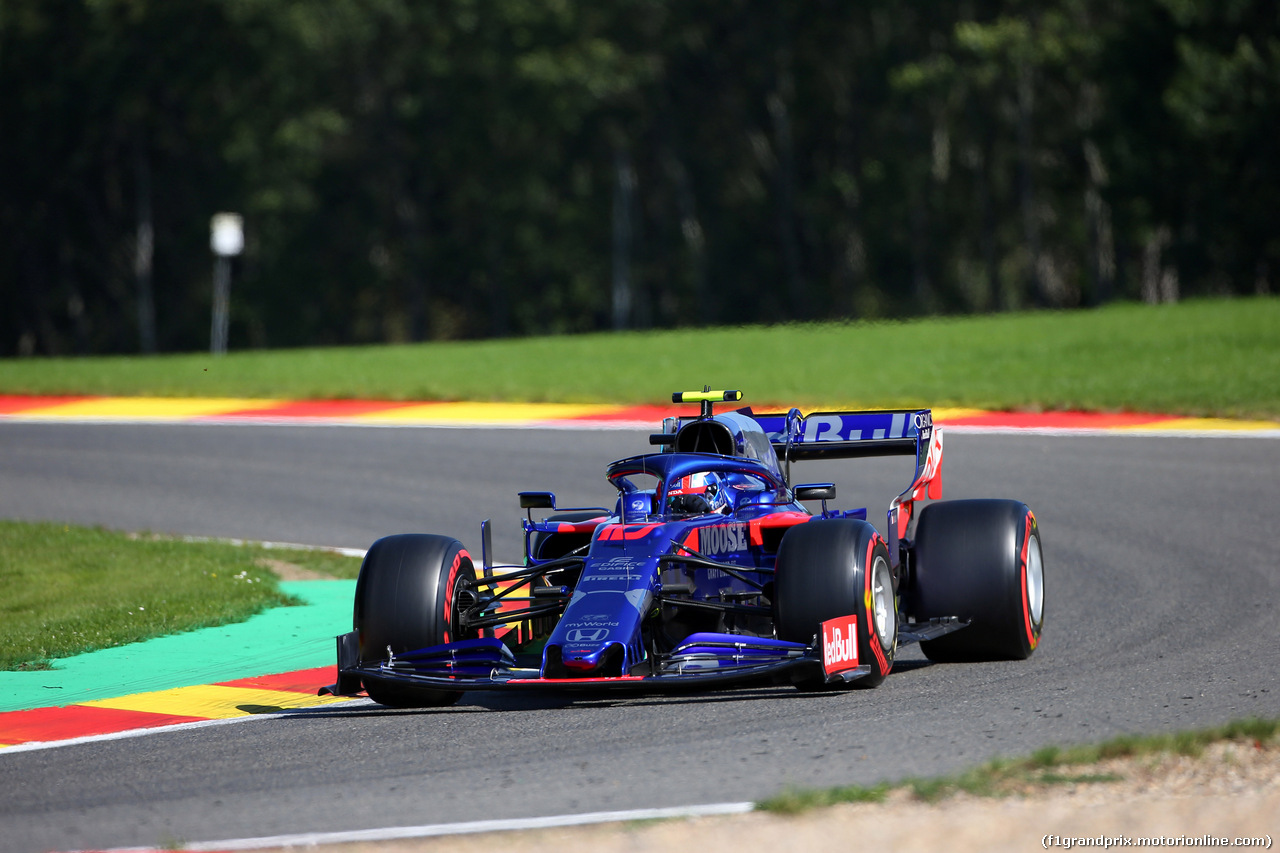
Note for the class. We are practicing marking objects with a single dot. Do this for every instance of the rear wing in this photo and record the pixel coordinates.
(848, 435)
(795, 436)
(852, 435)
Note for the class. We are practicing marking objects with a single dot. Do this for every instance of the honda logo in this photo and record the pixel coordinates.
(588, 635)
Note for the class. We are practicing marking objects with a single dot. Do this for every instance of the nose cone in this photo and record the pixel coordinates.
(599, 634)
(608, 661)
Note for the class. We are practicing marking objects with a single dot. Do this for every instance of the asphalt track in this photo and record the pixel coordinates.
(1163, 610)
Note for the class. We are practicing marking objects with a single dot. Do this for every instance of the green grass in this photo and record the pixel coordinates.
(800, 800)
(322, 562)
(1199, 357)
(65, 590)
(1044, 767)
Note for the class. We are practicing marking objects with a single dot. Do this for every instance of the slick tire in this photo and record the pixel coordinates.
(407, 598)
(980, 560)
(832, 568)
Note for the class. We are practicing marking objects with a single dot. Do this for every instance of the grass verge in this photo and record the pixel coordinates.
(1199, 357)
(311, 561)
(1048, 766)
(65, 589)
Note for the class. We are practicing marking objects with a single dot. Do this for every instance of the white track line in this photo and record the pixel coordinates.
(393, 833)
(283, 546)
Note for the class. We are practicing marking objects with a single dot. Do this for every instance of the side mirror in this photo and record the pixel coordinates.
(816, 492)
(537, 500)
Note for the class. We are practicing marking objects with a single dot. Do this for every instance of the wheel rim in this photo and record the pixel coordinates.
(884, 614)
(464, 597)
(1035, 582)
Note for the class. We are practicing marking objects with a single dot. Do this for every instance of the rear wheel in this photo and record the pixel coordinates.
(980, 560)
(407, 598)
(831, 569)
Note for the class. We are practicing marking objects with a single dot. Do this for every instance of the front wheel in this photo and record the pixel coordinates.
(980, 560)
(831, 569)
(407, 598)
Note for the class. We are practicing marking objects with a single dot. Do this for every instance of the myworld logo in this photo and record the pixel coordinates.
(840, 644)
(592, 622)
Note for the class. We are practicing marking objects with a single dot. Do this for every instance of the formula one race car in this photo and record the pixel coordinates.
(708, 571)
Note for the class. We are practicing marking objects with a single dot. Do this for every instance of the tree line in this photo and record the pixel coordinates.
(461, 168)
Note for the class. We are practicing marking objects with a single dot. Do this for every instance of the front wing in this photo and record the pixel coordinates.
(701, 662)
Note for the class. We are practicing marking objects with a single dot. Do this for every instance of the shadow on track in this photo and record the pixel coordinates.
(482, 701)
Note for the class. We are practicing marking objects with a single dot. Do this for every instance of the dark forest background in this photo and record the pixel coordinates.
(462, 168)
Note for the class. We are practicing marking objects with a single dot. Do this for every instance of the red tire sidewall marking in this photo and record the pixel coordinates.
(868, 604)
(450, 584)
(1029, 527)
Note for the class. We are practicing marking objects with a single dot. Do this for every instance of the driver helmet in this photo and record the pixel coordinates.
(707, 485)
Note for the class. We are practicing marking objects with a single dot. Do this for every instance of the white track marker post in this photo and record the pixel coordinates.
(226, 238)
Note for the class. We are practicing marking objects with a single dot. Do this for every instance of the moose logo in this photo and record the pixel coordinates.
(723, 538)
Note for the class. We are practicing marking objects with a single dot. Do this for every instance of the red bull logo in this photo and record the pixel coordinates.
(840, 644)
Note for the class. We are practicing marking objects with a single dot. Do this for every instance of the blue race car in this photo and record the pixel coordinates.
(708, 571)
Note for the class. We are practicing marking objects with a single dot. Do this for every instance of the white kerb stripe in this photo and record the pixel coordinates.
(392, 833)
